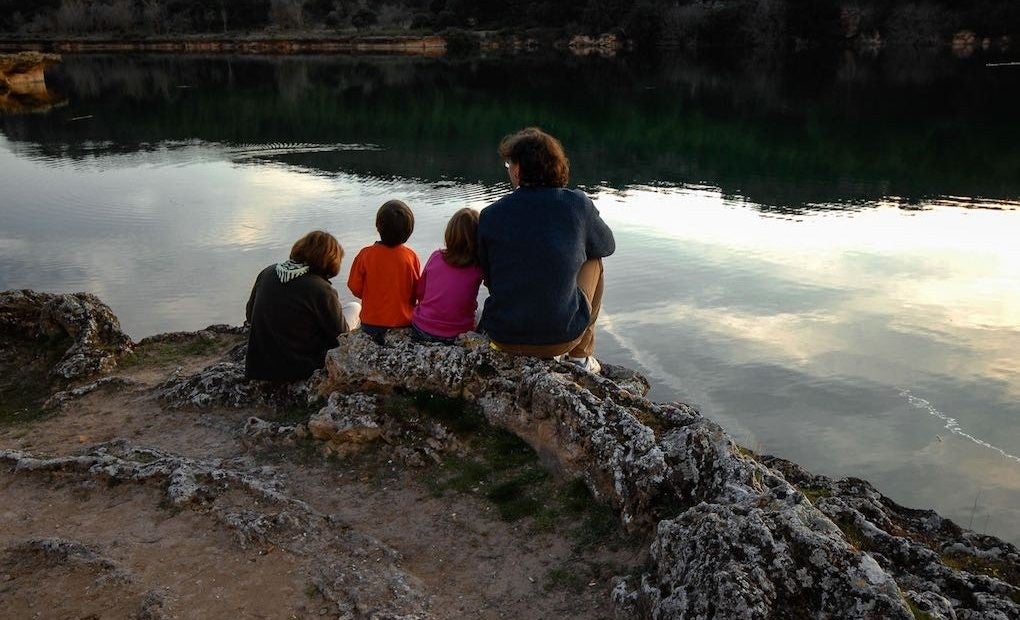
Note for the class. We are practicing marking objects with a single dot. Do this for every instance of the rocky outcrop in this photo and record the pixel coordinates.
(22, 71)
(945, 570)
(23, 83)
(732, 535)
(606, 45)
(80, 321)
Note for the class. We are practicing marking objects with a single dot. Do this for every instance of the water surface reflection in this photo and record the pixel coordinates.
(803, 263)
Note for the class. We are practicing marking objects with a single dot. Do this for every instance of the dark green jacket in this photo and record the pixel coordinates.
(293, 324)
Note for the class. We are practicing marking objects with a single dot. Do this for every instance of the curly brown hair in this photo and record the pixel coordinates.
(540, 158)
(320, 251)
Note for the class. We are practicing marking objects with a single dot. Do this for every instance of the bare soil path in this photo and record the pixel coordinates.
(82, 543)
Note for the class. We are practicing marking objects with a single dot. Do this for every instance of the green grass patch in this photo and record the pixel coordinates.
(22, 404)
(171, 353)
(652, 421)
(455, 413)
(814, 494)
(502, 468)
(24, 381)
(749, 453)
(992, 567)
(916, 611)
(577, 574)
(565, 577)
(293, 413)
(853, 534)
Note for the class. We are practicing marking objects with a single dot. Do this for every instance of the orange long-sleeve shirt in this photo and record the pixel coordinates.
(384, 278)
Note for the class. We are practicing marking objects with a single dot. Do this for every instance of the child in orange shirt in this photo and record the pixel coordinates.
(384, 275)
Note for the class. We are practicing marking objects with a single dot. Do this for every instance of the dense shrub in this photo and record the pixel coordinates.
(460, 41)
(920, 24)
(287, 14)
(73, 17)
(364, 18)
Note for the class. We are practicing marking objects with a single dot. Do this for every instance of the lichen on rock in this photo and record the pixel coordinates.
(732, 537)
(93, 331)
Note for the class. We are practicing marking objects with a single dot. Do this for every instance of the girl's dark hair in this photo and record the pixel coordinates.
(320, 251)
(460, 237)
(395, 222)
(539, 156)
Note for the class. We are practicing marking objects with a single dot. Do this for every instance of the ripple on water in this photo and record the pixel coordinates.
(952, 425)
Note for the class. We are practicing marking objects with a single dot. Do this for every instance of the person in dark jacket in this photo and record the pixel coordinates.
(541, 249)
(295, 314)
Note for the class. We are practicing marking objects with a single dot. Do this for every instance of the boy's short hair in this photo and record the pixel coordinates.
(540, 158)
(395, 222)
(320, 251)
(461, 238)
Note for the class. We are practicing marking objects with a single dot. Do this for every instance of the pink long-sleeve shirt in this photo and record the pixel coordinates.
(447, 297)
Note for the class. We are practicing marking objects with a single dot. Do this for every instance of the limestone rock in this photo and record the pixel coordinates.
(346, 419)
(97, 342)
(24, 67)
(64, 397)
(223, 384)
(257, 431)
(919, 547)
(732, 537)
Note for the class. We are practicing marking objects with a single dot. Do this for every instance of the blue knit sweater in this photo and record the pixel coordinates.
(531, 244)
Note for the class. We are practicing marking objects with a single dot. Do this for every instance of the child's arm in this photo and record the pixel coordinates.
(356, 281)
(416, 278)
(419, 289)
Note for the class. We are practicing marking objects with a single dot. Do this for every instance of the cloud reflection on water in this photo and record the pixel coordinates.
(795, 331)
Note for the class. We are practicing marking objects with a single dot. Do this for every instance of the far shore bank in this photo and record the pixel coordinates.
(409, 45)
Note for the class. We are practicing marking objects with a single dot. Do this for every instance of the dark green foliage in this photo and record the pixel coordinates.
(770, 139)
(364, 18)
(604, 15)
(503, 469)
(813, 20)
(459, 41)
(456, 414)
(24, 381)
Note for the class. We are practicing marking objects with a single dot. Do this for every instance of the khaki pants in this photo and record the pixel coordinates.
(591, 281)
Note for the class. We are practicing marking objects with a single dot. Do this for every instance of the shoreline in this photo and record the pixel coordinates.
(398, 45)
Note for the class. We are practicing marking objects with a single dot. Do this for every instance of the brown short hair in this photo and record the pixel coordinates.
(540, 157)
(320, 251)
(461, 238)
(395, 222)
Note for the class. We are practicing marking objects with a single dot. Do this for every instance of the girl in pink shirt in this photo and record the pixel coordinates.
(447, 292)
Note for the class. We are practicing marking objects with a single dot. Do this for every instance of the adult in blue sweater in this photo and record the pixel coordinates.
(541, 249)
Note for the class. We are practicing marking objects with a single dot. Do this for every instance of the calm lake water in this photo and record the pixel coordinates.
(819, 252)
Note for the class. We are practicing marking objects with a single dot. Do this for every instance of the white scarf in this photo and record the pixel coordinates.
(289, 269)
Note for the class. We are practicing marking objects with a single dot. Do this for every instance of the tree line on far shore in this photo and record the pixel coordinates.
(692, 23)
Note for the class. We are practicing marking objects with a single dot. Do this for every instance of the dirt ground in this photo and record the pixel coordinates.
(84, 544)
